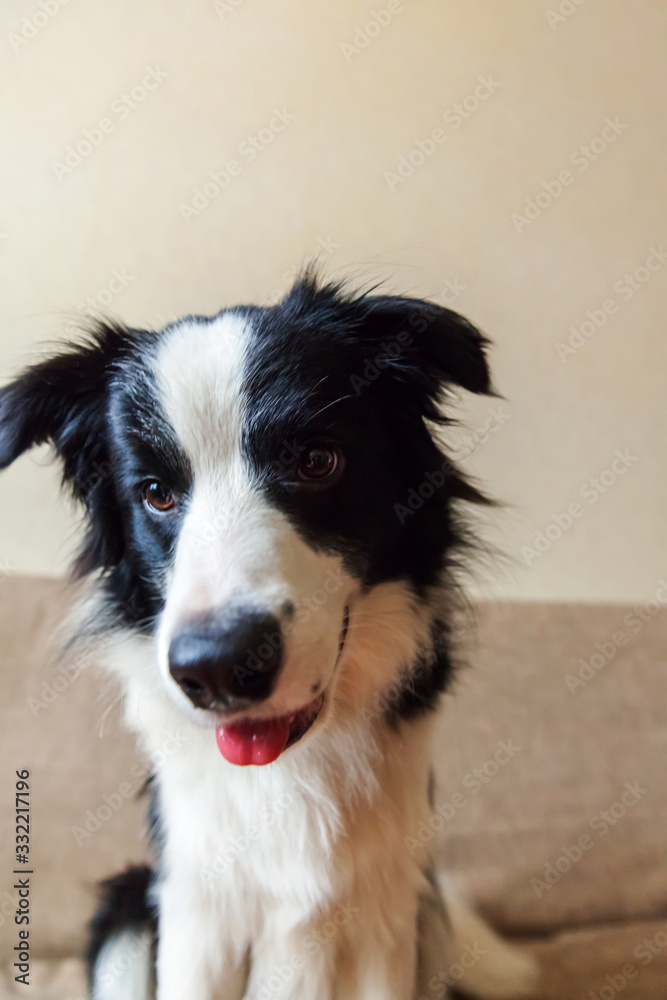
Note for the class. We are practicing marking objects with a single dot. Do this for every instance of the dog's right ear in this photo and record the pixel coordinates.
(63, 401)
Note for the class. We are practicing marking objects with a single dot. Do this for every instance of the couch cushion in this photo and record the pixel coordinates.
(568, 825)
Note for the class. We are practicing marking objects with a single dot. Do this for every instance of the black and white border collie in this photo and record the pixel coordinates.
(263, 588)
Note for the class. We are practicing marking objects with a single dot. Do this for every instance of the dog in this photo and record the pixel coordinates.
(264, 584)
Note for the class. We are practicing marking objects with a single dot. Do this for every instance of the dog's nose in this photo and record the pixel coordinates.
(227, 667)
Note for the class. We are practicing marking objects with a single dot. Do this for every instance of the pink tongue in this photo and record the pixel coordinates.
(253, 741)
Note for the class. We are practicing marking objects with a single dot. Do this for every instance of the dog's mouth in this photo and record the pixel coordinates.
(261, 741)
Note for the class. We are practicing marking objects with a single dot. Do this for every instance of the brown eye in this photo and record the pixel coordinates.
(318, 462)
(157, 497)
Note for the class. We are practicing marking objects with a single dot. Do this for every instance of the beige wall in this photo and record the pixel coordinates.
(320, 185)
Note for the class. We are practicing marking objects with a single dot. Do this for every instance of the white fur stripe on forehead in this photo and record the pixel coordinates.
(199, 373)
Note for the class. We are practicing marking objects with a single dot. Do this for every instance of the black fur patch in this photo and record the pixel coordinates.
(427, 679)
(142, 446)
(124, 906)
(367, 372)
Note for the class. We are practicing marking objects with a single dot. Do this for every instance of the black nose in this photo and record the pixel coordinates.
(230, 665)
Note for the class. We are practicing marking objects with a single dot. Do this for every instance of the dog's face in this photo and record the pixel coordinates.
(249, 479)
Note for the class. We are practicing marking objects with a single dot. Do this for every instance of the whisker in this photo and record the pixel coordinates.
(340, 399)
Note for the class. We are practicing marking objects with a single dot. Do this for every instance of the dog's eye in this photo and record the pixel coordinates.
(318, 462)
(157, 497)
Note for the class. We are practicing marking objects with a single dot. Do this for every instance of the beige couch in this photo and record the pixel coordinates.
(551, 803)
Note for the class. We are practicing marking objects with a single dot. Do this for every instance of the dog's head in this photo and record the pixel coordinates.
(250, 480)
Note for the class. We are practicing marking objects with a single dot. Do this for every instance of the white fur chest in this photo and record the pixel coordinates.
(261, 835)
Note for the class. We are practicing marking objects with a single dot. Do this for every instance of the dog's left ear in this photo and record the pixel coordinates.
(428, 345)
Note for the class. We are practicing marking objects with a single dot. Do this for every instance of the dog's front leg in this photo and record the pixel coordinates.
(296, 964)
(379, 953)
(192, 962)
(385, 974)
(351, 953)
